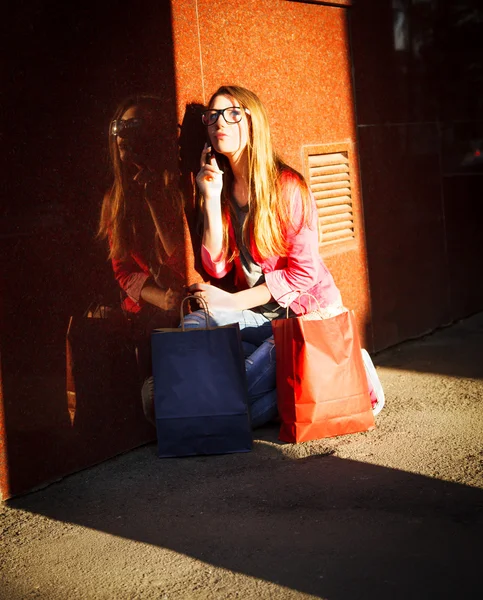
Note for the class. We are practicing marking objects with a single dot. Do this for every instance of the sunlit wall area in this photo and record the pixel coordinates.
(296, 56)
(418, 72)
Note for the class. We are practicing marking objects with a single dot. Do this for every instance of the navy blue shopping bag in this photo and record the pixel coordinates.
(200, 391)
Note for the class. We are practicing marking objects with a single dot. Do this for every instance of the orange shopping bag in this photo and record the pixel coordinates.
(322, 386)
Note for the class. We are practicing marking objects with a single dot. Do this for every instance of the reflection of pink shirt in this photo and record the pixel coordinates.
(133, 272)
(302, 270)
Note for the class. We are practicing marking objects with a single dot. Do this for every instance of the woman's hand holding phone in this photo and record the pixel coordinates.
(210, 184)
(210, 177)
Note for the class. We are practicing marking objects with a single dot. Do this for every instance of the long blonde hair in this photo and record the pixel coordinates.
(123, 206)
(270, 184)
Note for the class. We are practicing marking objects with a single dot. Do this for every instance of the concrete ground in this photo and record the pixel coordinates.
(393, 513)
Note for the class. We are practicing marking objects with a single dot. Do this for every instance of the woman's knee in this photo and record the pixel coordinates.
(261, 367)
(263, 409)
(195, 320)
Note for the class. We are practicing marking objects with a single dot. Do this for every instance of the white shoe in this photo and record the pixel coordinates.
(375, 387)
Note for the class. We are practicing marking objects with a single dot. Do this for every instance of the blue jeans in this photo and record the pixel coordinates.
(259, 348)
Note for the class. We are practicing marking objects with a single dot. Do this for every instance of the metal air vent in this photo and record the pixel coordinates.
(330, 182)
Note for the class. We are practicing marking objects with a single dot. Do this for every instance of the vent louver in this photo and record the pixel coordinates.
(329, 180)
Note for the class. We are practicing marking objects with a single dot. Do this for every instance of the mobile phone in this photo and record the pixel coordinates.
(210, 154)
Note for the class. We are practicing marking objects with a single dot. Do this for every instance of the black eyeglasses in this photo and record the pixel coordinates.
(126, 127)
(231, 114)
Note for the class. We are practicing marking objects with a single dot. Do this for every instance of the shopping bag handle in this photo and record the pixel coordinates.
(305, 294)
(204, 308)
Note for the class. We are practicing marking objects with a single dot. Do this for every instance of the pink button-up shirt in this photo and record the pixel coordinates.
(303, 270)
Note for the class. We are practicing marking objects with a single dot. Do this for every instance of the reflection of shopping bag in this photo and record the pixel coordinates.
(321, 382)
(200, 391)
(101, 368)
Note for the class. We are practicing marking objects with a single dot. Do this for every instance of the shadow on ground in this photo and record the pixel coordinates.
(329, 527)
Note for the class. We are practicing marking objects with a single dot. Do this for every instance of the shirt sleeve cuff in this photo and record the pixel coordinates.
(279, 288)
(216, 268)
(135, 285)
